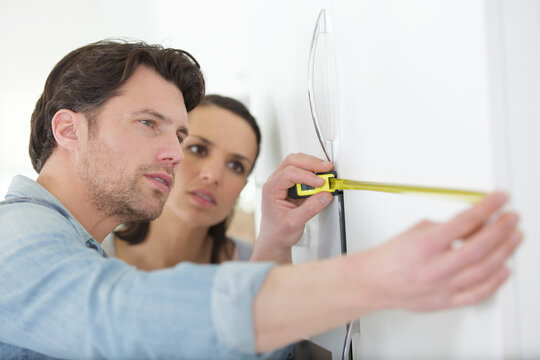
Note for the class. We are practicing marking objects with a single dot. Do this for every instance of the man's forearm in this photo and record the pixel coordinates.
(302, 300)
(417, 270)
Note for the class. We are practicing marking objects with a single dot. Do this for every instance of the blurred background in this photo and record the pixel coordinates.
(35, 35)
(429, 92)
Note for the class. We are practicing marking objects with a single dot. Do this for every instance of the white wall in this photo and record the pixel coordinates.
(441, 93)
(520, 85)
(414, 109)
(257, 51)
(36, 34)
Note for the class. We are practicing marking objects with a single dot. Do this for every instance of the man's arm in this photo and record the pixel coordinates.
(420, 269)
(64, 300)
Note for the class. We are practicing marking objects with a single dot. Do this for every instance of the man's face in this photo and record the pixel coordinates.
(128, 161)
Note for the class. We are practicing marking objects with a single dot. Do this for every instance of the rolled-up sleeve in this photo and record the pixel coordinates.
(233, 293)
(235, 286)
(64, 300)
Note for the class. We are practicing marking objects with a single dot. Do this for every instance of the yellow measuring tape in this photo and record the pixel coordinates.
(335, 185)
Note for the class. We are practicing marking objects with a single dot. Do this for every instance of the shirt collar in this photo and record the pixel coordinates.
(22, 186)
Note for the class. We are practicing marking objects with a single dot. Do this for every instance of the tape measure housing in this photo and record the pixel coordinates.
(299, 191)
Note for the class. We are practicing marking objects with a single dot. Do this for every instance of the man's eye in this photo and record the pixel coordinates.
(236, 166)
(148, 123)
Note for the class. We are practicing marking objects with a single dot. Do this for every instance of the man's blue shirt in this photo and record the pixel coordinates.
(62, 297)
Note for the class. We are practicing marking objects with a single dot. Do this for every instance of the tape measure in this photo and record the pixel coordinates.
(335, 186)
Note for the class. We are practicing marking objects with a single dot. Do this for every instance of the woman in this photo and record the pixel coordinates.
(219, 153)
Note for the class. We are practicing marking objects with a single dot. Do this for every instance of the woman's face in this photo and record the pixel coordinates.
(218, 155)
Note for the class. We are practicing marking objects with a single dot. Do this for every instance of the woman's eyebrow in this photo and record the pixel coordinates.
(208, 142)
(203, 139)
(242, 157)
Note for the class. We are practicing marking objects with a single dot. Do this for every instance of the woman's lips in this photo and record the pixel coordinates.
(203, 197)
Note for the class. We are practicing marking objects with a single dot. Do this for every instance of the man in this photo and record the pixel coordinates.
(105, 141)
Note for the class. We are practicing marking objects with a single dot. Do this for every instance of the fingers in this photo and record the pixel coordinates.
(421, 228)
(477, 248)
(480, 272)
(278, 185)
(470, 220)
(295, 169)
(306, 162)
(481, 291)
(311, 207)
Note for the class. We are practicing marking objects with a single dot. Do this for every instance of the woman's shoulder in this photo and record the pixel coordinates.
(243, 249)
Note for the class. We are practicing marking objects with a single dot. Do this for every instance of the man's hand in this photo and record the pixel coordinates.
(283, 220)
(435, 266)
(429, 267)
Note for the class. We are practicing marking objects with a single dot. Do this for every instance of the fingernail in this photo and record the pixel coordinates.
(325, 200)
(516, 237)
(513, 219)
(500, 198)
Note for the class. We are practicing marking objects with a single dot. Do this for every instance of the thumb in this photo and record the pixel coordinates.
(311, 207)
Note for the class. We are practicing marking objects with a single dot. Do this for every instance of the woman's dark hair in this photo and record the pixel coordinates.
(236, 107)
(135, 233)
(85, 79)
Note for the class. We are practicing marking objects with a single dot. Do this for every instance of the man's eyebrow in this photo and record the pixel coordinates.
(153, 113)
(183, 129)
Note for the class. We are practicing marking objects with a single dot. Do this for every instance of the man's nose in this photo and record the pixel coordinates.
(170, 151)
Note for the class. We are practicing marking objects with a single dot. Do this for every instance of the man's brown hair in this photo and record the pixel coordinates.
(88, 77)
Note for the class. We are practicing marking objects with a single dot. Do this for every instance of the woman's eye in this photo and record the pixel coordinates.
(197, 150)
(236, 166)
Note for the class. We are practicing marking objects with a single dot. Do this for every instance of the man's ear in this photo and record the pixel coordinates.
(66, 128)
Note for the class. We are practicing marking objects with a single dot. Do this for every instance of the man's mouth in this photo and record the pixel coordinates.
(161, 181)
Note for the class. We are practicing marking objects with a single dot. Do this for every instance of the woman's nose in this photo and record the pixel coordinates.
(211, 172)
